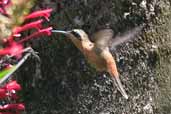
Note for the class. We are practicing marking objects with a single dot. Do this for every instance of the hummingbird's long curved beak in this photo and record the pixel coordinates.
(67, 33)
(119, 86)
(61, 31)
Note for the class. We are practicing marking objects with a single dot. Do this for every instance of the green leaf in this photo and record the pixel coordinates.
(6, 71)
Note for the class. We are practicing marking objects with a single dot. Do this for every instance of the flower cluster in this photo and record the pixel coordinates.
(12, 16)
(3, 5)
(33, 25)
(14, 47)
(8, 93)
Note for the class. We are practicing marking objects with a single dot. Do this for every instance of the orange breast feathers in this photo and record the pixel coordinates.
(111, 64)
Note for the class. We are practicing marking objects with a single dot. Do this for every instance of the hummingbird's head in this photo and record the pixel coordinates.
(79, 34)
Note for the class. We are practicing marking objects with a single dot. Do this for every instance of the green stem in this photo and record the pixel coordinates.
(15, 68)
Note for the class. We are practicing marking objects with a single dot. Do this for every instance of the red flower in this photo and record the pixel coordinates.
(13, 96)
(41, 13)
(36, 24)
(8, 66)
(2, 93)
(18, 107)
(13, 85)
(46, 31)
(14, 50)
(9, 91)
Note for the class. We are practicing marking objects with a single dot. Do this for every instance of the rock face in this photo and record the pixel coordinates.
(66, 84)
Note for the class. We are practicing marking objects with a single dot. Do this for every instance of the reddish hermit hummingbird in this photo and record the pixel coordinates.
(97, 51)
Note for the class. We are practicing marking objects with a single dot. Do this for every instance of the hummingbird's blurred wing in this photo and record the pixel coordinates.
(102, 38)
(124, 37)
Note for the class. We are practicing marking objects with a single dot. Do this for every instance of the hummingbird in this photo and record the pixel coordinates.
(98, 52)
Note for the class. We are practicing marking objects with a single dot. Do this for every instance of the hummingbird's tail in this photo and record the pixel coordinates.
(112, 69)
(119, 86)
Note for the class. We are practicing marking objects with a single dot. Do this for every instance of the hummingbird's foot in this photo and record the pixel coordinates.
(119, 86)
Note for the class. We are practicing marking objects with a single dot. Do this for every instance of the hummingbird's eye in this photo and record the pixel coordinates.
(77, 35)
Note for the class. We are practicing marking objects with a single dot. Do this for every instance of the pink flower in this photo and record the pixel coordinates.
(36, 25)
(17, 107)
(2, 10)
(13, 85)
(4, 2)
(41, 13)
(42, 32)
(3, 5)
